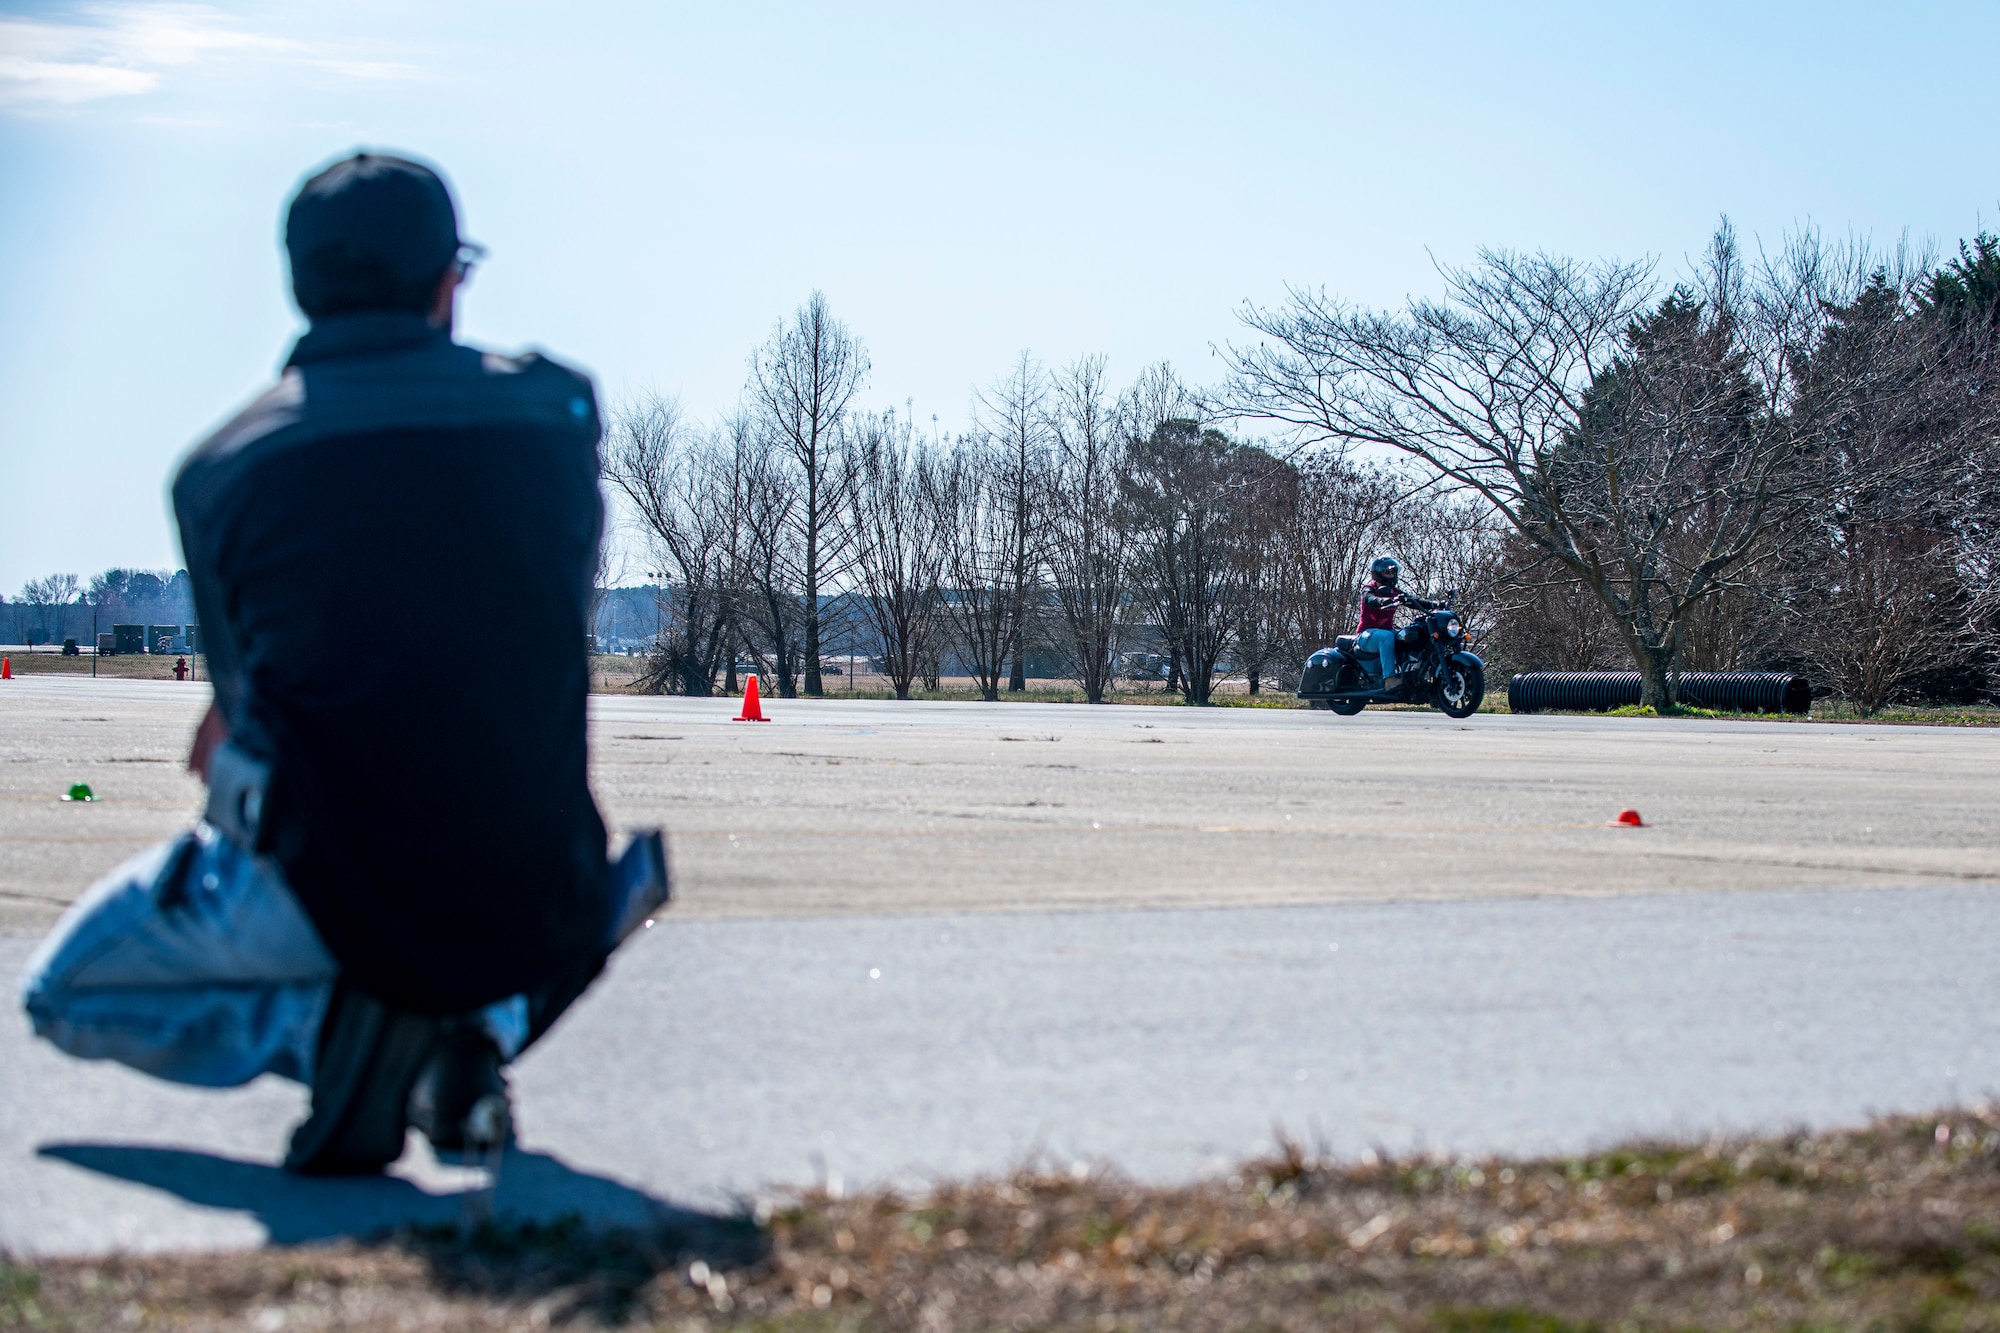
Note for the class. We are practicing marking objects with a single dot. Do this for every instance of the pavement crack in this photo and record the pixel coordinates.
(1849, 868)
(33, 897)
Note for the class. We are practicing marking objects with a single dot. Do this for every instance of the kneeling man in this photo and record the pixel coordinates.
(401, 880)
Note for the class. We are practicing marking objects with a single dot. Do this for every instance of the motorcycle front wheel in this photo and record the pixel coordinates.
(1460, 689)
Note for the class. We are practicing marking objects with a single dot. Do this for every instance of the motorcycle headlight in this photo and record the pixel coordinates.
(1452, 628)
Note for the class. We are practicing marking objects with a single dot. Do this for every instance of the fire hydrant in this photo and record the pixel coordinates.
(180, 668)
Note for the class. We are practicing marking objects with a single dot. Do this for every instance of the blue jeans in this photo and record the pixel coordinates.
(1381, 642)
(193, 962)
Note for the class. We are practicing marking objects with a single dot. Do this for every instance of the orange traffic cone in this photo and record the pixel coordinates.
(752, 710)
(6, 668)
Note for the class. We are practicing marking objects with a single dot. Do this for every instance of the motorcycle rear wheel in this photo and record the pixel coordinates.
(1347, 678)
(1460, 689)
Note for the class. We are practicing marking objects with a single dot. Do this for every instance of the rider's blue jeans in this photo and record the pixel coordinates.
(193, 962)
(1381, 642)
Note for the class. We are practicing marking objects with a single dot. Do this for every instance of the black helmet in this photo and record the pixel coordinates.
(1385, 570)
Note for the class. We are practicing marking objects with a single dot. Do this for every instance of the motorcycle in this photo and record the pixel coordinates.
(1431, 660)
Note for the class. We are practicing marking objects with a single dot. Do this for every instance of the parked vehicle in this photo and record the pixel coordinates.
(1432, 667)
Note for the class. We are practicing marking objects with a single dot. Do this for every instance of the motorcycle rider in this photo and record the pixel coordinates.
(1379, 600)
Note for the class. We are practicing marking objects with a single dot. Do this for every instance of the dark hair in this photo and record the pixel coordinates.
(342, 278)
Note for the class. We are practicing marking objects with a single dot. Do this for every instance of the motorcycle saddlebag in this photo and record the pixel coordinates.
(1320, 672)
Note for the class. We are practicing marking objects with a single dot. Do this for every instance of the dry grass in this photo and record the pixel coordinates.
(127, 666)
(618, 675)
(1927, 715)
(1896, 1227)
(1823, 711)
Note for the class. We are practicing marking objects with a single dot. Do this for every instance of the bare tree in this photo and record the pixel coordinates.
(52, 594)
(1544, 619)
(67, 591)
(967, 495)
(1876, 584)
(1265, 605)
(1339, 524)
(803, 380)
(1634, 447)
(1187, 488)
(685, 487)
(1449, 542)
(898, 553)
(1304, 533)
(1960, 310)
(1156, 397)
(1014, 419)
(1887, 610)
(1089, 538)
(38, 596)
(773, 601)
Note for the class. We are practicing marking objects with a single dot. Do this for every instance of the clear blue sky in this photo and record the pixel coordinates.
(659, 182)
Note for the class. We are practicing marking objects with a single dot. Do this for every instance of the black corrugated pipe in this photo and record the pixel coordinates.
(1600, 691)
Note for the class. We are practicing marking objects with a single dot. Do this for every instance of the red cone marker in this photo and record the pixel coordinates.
(1628, 819)
(752, 710)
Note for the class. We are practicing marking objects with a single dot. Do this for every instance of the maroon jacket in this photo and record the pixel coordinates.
(1378, 607)
(1379, 602)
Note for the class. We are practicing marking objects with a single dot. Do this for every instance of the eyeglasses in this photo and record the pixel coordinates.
(469, 254)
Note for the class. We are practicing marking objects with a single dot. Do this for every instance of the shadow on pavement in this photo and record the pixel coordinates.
(534, 1188)
(594, 1243)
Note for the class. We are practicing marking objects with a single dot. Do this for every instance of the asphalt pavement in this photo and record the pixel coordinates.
(721, 1059)
(928, 940)
(841, 807)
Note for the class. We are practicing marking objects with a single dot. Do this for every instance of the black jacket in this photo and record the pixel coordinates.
(392, 554)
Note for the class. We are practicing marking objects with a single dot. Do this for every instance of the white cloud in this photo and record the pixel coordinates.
(64, 82)
(120, 49)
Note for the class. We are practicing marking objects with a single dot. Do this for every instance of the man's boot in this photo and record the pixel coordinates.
(369, 1055)
(459, 1101)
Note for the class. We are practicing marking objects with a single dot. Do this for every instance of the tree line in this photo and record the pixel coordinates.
(1075, 521)
(1790, 460)
(1787, 461)
(62, 606)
